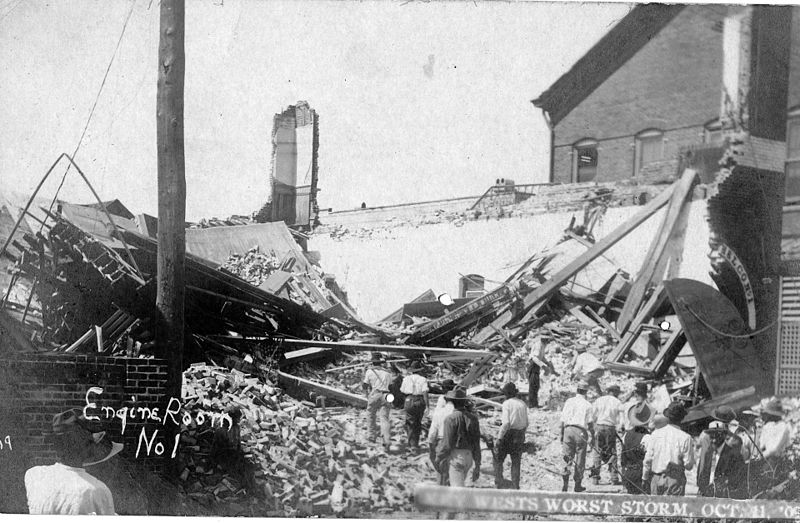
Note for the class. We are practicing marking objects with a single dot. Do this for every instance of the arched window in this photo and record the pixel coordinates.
(649, 149)
(793, 156)
(584, 160)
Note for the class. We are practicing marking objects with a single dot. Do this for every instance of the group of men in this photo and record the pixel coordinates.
(737, 456)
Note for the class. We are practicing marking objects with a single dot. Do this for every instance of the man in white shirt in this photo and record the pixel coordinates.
(577, 429)
(608, 420)
(511, 439)
(586, 367)
(376, 386)
(443, 409)
(65, 487)
(415, 387)
(670, 453)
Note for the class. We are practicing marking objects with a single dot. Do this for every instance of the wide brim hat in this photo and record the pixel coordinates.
(457, 394)
(641, 415)
(448, 385)
(773, 407)
(723, 413)
(717, 426)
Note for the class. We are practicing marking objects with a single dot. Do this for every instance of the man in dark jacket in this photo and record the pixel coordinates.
(633, 448)
(460, 445)
(721, 469)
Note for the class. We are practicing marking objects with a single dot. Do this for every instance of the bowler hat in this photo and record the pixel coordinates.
(457, 394)
(723, 413)
(773, 407)
(509, 389)
(613, 388)
(716, 426)
(640, 415)
(675, 412)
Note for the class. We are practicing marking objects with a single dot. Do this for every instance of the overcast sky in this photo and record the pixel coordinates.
(417, 100)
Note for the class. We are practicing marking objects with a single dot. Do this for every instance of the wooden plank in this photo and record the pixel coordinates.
(628, 369)
(666, 356)
(300, 355)
(602, 321)
(371, 347)
(655, 301)
(429, 497)
(582, 261)
(582, 317)
(276, 281)
(652, 259)
(324, 390)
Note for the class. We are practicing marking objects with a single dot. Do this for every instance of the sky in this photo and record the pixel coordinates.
(416, 100)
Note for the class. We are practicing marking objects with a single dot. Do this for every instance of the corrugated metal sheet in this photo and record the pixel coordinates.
(788, 375)
(216, 244)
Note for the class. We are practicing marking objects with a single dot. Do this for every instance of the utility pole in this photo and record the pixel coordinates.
(171, 191)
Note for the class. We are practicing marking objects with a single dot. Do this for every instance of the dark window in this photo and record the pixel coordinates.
(793, 157)
(585, 160)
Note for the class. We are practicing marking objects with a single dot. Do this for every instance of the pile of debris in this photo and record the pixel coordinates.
(253, 266)
(278, 454)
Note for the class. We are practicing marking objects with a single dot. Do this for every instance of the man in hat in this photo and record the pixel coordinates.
(376, 384)
(720, 467)
(586, 367)
(608, 420)
(727, 416)
(511, 439)
(577, 430)
(634, 446)
(460, 447)
(537, 360)
(415, 387)
(65, 487)
(670, 452)
(443, 409)
(775, 433)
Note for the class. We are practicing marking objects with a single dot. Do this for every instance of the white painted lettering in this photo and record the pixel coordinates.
(91, 404)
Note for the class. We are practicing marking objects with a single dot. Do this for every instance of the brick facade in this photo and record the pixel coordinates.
(673, 84)
(37, 386)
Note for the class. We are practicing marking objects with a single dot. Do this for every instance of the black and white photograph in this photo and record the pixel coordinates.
(400, 259)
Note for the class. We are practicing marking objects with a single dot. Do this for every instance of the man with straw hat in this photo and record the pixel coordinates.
(634, 445)
(460, 447)
(577, 431)
(537, 360)
(376, 384)
(720, 468)
(415, 387)
(511, 439)
(65, 487)
(670, 453)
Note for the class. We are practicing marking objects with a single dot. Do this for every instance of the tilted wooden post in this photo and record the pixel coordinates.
(171, 191)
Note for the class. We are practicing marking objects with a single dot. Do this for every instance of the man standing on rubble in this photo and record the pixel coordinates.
(577, 431)
(670, 453)
(537, 360)
(460, 446)
(376, 386)
(443, 409)
(65, 487)
(415, 387)
(608, 420)
(586, 367)
(721, 470)
(511, 439)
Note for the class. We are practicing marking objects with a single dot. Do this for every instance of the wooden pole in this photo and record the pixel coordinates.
(171, 191)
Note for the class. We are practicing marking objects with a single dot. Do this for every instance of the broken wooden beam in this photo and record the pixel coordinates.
(323, 390)
(657, 250)
(373, 347)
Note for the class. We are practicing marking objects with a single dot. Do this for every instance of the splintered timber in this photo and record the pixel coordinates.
(517, 501)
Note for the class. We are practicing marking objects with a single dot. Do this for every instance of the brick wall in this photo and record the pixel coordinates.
(34, 387)
(794, 64)
(673, 84)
